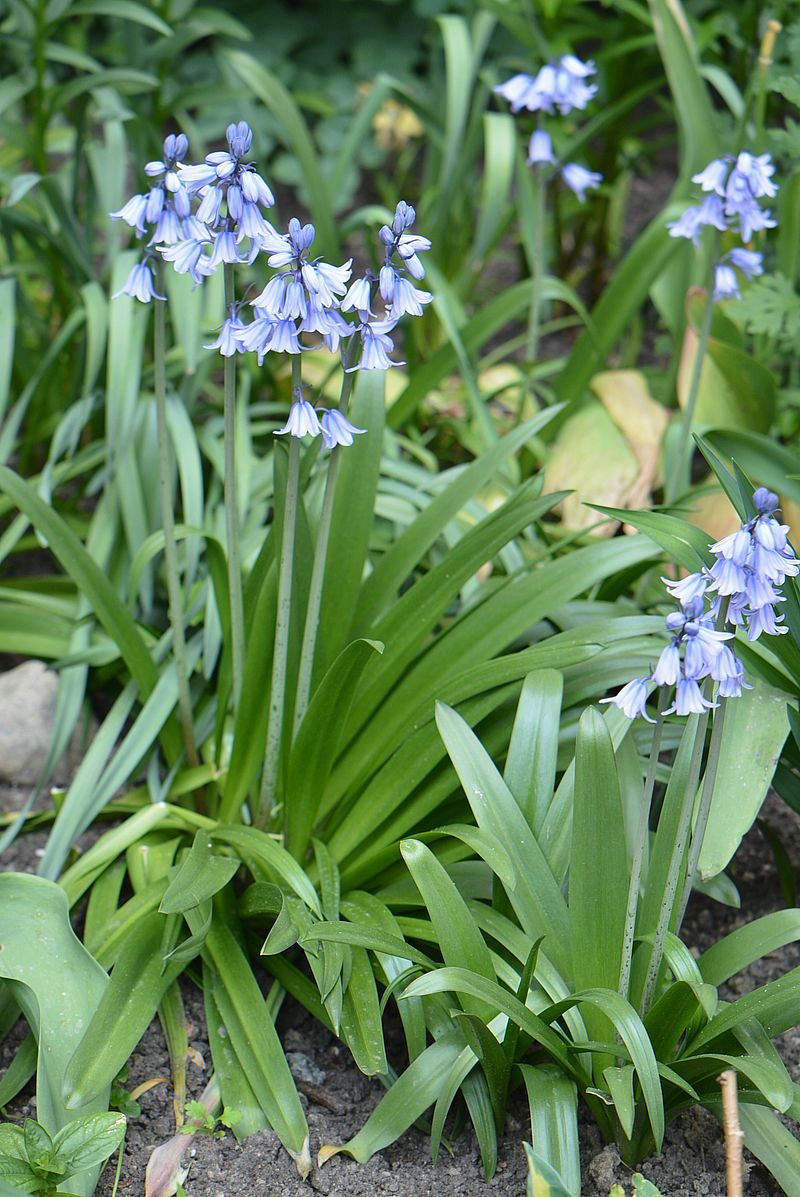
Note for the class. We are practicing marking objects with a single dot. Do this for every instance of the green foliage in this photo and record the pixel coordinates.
(33, 1161)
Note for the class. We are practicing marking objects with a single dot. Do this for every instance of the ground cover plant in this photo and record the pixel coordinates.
(329, 544)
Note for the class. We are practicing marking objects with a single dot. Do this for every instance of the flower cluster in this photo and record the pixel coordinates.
(743, 585)
(752, 564)
(562, 86)
(304, 297)
(558, 85)
(696, 651)
(732, 191)
(232, 194)
(165, 208)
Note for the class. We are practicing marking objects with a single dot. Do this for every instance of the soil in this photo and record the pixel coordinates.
(338, 1099)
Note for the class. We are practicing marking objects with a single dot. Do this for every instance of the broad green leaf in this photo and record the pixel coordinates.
(774, 1005)
(255, 1041)
(125, 1010)
(361, 1024)
(620, 1086)
(125, 10)
(89, 1140)
(736, 390)
(747, 944)
(598, 877)
(198, 878)
(7, 322)
(536, 897)
(755, 729)
(773, 1144)
(408, 1098)
(317, 741)
(696, 116)
(543, 1180)
(460, 941)
(553, 1103)
(39, 945)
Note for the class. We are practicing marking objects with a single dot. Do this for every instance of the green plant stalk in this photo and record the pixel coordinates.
(676, 860)
(174, 590)
(704, 809)
(306, 668)
(537, 267)
(231, 507)
(277, 695)
(680, 473)
(638, 853)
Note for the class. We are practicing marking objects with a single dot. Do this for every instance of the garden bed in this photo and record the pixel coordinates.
(338, 1098)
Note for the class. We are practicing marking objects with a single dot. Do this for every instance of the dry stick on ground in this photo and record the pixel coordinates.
(734, 1135)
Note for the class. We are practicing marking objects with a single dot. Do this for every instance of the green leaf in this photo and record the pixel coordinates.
(697, 119)
(747, 944)
(553, 1101)
(771, 1142)
(89, 1140)
(536, 897)
(38, 945)
(317, 742)
(199, 877)
(754, 732)
(126, 10)
(360, 1023)
(530, 770)
(460, 941)
(255, 1042)
(407, 1099)
(126, 1009)
(598, 886)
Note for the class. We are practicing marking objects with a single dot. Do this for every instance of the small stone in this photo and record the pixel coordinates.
(304, 1069)
(603, 1168)
(27, 713)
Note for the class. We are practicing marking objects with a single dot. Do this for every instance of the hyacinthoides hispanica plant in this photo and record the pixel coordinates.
(559, 87)
(571, 973)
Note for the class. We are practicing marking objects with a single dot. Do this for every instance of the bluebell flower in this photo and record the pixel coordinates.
(540, 148)
(140, 283)
(560, 84)
(165, 207)
(229, 340)
(689, 699)
(752, 564)
(731, 203)
(632, 698)
(302, 420)
(407, 246)
(337, 429)
(579, 179)
(376, 344)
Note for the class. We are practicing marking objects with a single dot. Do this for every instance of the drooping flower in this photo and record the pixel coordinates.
(302, 420)
(732, 193)
(579, 179)
(632, 698)
(140, 283)
(337, 429)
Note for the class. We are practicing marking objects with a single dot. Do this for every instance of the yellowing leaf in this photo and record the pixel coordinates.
(641, 420)
(591, 456)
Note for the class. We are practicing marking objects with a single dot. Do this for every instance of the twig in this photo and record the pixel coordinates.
(734, 1135)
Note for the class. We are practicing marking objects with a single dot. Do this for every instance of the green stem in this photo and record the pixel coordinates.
(680, 473)
(537, 266)
(306, 668)
(675, 863)
(277, 695)
(704, 809)
(174, 590)
(231, 507)
(638, 853)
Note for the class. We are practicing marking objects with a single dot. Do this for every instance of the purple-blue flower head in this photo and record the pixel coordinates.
(225, 176)
(407, 246)
(140, 283)
(337, 429)
(302, 421)
(579, 179)
(167, 204)
(732, 193)
(559, 85)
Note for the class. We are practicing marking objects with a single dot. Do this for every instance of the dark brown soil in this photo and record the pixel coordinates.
(340, 1100)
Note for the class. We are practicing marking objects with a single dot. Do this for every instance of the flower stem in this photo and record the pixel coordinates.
(680, 473)
(638, 854)
(174, 592)
(231, 507)
(675, 863)
(704, 809)
(539, 188)
(277, 695)
(306, 668)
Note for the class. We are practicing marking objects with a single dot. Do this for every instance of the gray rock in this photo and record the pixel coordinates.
(27, 711)
(304, 1069)
(603, 1168)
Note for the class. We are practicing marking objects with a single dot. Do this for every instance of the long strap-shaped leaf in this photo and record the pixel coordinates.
(91, 582)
